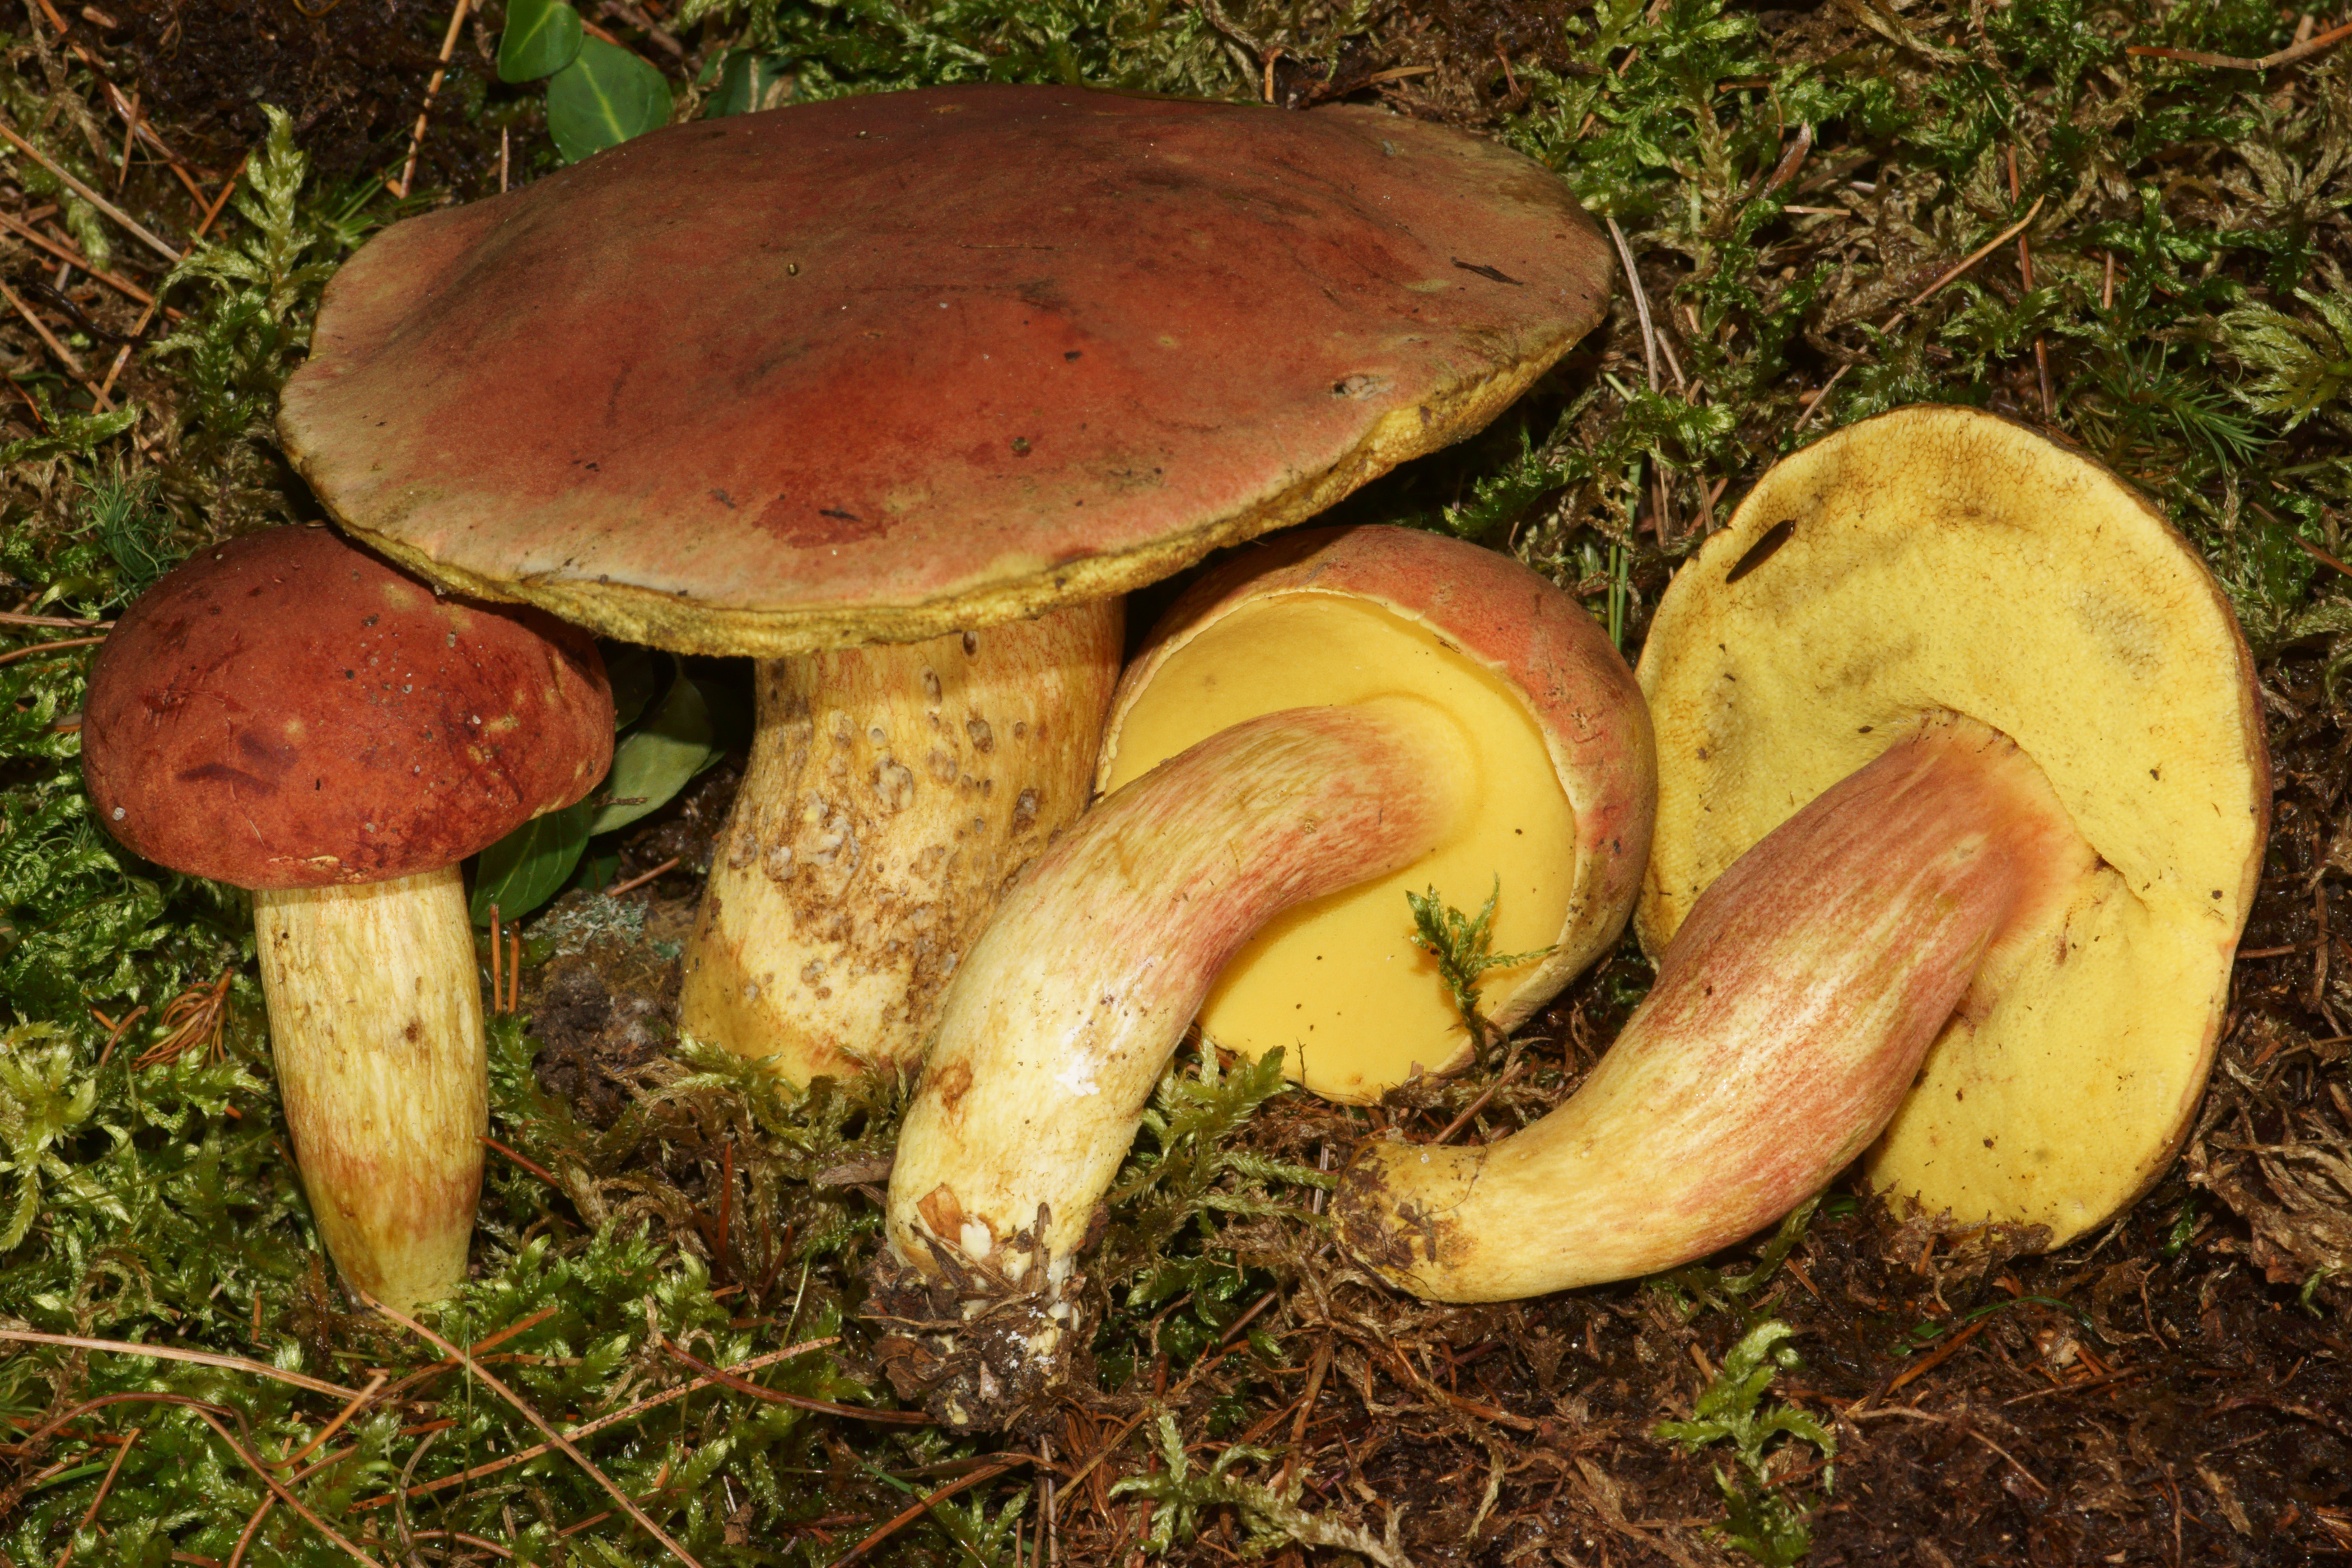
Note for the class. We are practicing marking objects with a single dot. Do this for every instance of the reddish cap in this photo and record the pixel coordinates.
(881, 367)
(286, 711)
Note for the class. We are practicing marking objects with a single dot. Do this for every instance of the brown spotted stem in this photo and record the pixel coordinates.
(891, 795)
(1789, 1020)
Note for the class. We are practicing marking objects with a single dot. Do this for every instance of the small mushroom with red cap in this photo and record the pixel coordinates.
(287, 713)
(1962, 798)
(930, 378)
(1330, 721)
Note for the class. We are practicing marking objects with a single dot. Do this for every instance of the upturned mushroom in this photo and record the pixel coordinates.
(1320, 724)
(919, 365)
(1962, 798)
(287, 714)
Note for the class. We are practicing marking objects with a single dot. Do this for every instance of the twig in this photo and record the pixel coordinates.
(350, 1409)
(114, 1031)
(641, 877)
(590, 1429)
(1791, 161)
(799, 1401)
(129, 141)
(2292, 54)
(1478, 1105)
(65, 622)
(480, 1347)
(918, 1509)
(202, 228)
(2025, 275)
(1903, 1410)
(64, 355)
(252, 1528)
(524, 1409)
(1641, 304)
(432, 91)
(73, 257)
(1650, 364)
(2325, 559)
(104, 1487)
(1937, 1357)
(1238, 1324)
(1813, 404)
(198, 1013)
(400, 1497)
(284, 1495)
(1973, 257)
(533, 1166)
(468, 1539)
(635, 16)
(40, 648)
(1305, 1410)
(31, 1440)
(125, 108)
(172, 1352)
(92, 197)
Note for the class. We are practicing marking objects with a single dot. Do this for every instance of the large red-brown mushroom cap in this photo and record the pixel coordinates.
(881, 368)
(286, 711)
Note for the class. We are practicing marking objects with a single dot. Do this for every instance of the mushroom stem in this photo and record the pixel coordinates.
(1787, 1022)
(375, 1023)
(1075, 998)
(892, 792)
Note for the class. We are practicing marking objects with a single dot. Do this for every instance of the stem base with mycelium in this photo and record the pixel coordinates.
(1052, 1036)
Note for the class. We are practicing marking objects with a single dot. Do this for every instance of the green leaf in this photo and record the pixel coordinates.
(525, 869)
(602, 99)
(749, 82)
(656, 760)
(543, 36)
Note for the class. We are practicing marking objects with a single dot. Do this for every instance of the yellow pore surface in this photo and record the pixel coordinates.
(1941, 560)
(1337, 983)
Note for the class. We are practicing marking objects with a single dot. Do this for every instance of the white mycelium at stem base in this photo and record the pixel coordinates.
(1073, 1002)
(1788, 1021)
(375, 1012)
(892, 792)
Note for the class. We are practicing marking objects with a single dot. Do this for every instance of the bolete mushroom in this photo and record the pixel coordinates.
(287, 714)
(905, 369)
(1318, 725)
(1960, 763)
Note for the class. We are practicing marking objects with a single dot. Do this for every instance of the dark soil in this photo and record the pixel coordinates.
(352, 74)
